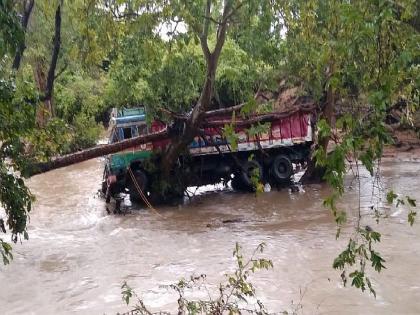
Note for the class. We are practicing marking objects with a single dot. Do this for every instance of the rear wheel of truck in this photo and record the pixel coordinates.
(282, 168)
(141, 180)
(237, 183)
(243, 179)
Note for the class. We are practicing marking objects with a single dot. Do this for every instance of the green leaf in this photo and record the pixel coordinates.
(370, 287)
(391, 196)
(376, 236)
(358, 279)
(411, 202)
(376, 260)
(324, 129)
(411, 217)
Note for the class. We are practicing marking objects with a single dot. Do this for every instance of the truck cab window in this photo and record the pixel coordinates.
(127, 133)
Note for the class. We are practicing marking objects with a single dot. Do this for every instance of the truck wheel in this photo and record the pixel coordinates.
(282, 168)
(142, 181)
(237, 183)
(249, 168)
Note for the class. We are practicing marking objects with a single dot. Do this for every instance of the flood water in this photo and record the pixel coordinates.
(78, 256)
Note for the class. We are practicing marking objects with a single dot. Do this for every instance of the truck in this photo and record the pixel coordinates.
(271, 155)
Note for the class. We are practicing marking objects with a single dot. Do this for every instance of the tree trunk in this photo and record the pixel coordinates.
(54, 57)
(27, 9)
(43, 111)
(92, 153)
(191, 125)
(46, 85)
(314, 173)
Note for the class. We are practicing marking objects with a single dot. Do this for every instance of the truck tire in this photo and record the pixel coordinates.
(243, 179)
(142, 181)
(237, 183)
(282, 168)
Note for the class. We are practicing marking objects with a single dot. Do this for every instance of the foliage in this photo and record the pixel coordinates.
(86, 132)
(359, 56)
(407, 201)
(238, 75)
(11, 33)
(80, 105)
(16, 120)
(164, 75)
(234, 296)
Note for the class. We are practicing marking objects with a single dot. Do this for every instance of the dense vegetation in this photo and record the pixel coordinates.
(64, 64)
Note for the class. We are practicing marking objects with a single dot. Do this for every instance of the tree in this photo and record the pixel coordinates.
(16, 120)
(360, 58)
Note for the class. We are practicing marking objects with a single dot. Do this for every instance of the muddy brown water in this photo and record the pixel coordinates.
(78, 256)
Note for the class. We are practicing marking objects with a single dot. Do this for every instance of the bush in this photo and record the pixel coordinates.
(236, 296)
(86, 132)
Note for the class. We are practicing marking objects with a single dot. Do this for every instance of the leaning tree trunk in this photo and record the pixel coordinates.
(314, 173)
(100, 150)
(181, 141)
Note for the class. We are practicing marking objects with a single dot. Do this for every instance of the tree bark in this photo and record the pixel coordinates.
(190, 126)
(27, 9)
(46, 110)
(54, 58)
(43, 111)
(314, 173)
(94, 152)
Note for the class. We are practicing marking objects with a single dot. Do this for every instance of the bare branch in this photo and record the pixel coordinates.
(228, 12)
(61, 71)
(212, 20)
(234, 10)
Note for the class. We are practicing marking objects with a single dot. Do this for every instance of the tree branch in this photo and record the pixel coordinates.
(212, 20)
(61, 71)
(222, 29)
(204, 35)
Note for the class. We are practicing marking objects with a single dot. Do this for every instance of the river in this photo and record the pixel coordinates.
(78, 256)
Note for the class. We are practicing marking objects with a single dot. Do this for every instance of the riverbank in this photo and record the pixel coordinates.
(406, 147)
